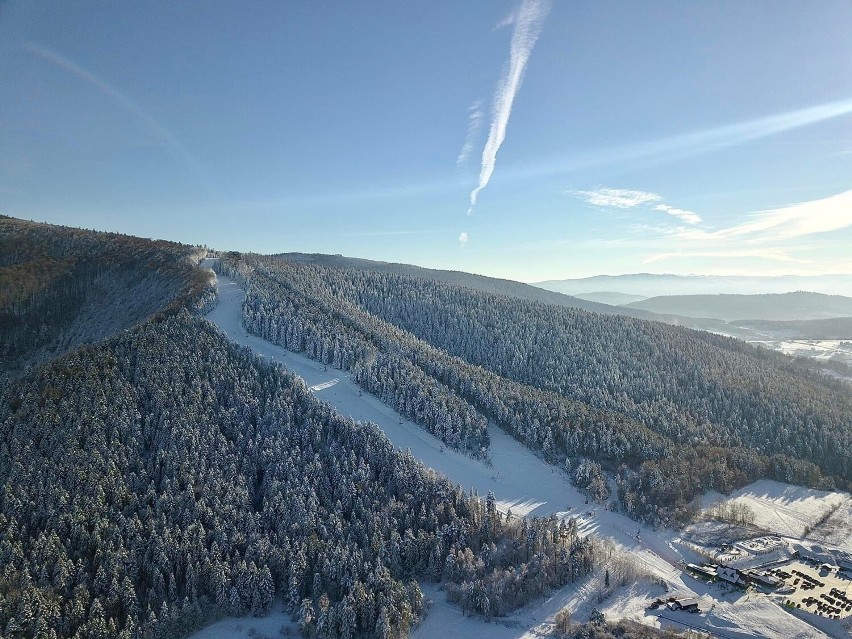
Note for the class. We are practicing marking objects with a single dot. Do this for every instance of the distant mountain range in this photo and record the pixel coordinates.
(773, 306)
(652, 285)
(611, 297)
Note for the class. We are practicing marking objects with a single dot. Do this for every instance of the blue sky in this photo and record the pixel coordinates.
(594, 137)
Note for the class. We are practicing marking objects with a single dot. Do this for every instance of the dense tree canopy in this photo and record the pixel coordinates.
(165, 477)
(675, 412)
(156, 479)
(62, 287)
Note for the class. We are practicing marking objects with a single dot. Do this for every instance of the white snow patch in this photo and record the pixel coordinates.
(533, 621)
(275, 625)
(324, 385)
(785, 509)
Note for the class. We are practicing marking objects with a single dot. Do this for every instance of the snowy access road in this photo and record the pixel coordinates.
(520, 481)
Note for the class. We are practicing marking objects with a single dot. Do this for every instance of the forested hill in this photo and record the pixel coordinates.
(165, 477)
(483, 283)
(682, 411)
(61, 287)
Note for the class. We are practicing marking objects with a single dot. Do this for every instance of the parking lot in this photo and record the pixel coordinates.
(823, 592)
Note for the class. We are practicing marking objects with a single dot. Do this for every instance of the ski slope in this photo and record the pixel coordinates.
(521, 482)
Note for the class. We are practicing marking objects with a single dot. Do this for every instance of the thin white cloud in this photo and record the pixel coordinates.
(687, 216)
(629, 198)
(785, 223)
(528, 24)
(774, 235)
(618, 198)
(111, 92)
(508, 21)
(463, 239)
(475, 116)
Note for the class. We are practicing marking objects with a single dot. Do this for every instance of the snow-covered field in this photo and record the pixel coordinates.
(275, 625)
(792, 510)
(816, 348)
(820, 350)
(837, 529)
(528, 486)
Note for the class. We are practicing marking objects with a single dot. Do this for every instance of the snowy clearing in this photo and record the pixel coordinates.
(790, 510)
(820, 350)
(275, 625)
(837, 529)
(815, 348)
(526, 485)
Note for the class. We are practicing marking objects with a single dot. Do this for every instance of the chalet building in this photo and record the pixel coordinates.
(687, 604)
(731, 575)
(707, 571)
(763, 578)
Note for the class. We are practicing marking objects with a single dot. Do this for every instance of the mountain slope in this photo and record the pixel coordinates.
(610, 297)
(662, 400)
(483, 283)
(163, 477)
(821, 329)
(155, 481)
(62, 287)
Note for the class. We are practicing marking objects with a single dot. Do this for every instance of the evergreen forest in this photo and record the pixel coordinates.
(670, 412)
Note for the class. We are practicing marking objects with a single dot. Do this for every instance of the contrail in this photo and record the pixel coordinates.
(161, 131)
(695, 143)
(734, 134)
(528, 24)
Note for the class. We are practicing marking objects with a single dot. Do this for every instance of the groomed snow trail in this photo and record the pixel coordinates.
(520, 481)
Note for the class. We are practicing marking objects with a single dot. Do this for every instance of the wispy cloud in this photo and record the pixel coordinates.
(108, 90)
(785, 223)
(618, 198)
(770, 235)
(463, 239)
(474, 124)
(687, 216)
(629, 198)
(528, 24)
(507, 21)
